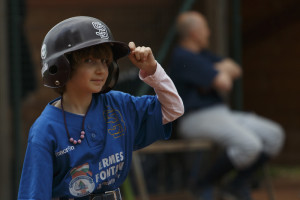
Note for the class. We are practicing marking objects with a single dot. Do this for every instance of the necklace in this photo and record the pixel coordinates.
(82, 133)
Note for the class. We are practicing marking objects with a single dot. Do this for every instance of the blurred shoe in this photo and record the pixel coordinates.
(240, 185)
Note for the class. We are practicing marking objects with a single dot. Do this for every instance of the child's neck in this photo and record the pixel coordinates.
(77, 104)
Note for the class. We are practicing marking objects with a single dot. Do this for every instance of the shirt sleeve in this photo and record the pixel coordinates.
(171, 103)
(212, 57)
(36, 178)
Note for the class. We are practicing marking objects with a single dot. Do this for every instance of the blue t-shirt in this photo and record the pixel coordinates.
(193, 74)
(116, 124)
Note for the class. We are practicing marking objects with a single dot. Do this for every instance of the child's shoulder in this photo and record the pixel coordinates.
(121, 98)
(116, 95)
(49, 116)
(40, 131)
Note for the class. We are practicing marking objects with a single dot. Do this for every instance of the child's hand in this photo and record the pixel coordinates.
(143, 58)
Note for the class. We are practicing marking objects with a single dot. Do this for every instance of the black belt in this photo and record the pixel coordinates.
(108, 195)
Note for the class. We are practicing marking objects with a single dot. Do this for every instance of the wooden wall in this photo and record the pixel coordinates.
(271, 44)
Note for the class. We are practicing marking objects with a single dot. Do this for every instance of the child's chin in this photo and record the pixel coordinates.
(97, 91)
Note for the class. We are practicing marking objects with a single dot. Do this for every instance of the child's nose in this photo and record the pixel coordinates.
(100, 66)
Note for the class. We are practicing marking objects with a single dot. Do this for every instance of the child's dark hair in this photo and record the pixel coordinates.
(101, 51)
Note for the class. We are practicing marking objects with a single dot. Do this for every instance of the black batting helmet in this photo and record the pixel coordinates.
(73, 34)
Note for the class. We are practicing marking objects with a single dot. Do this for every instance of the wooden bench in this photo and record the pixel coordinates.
(173, 146)
(162, 147)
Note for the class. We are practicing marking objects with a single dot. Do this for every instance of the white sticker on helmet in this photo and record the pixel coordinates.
(44, 68)
(102, 31)
(44, 51)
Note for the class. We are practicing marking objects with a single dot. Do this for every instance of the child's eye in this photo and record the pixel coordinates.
(88, 60)
(104, 61)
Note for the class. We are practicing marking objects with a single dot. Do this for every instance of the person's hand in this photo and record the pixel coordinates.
(222, 82)
(230, 67)
(142, 57)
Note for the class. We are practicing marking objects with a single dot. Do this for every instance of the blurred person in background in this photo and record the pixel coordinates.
(203, 79)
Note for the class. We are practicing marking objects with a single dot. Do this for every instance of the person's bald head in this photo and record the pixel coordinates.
(192, 25)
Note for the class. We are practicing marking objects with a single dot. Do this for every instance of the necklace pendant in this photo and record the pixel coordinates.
(82, 133)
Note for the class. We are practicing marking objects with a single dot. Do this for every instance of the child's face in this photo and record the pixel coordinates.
(90, 75)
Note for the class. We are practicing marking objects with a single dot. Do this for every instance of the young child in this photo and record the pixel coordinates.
(81, 145)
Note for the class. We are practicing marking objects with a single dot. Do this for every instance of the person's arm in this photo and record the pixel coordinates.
(37, 174)
(153, 74)
(222, 82)
(228, 72)
(171, 103)
(231, 68)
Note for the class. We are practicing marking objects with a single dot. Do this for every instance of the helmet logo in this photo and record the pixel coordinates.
(44, 68)
(102, 32)
(44, 51)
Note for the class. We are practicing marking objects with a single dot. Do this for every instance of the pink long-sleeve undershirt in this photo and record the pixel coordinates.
(171, 103)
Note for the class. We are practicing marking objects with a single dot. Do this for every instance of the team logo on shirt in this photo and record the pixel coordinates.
(81, 184)
(115, 123)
